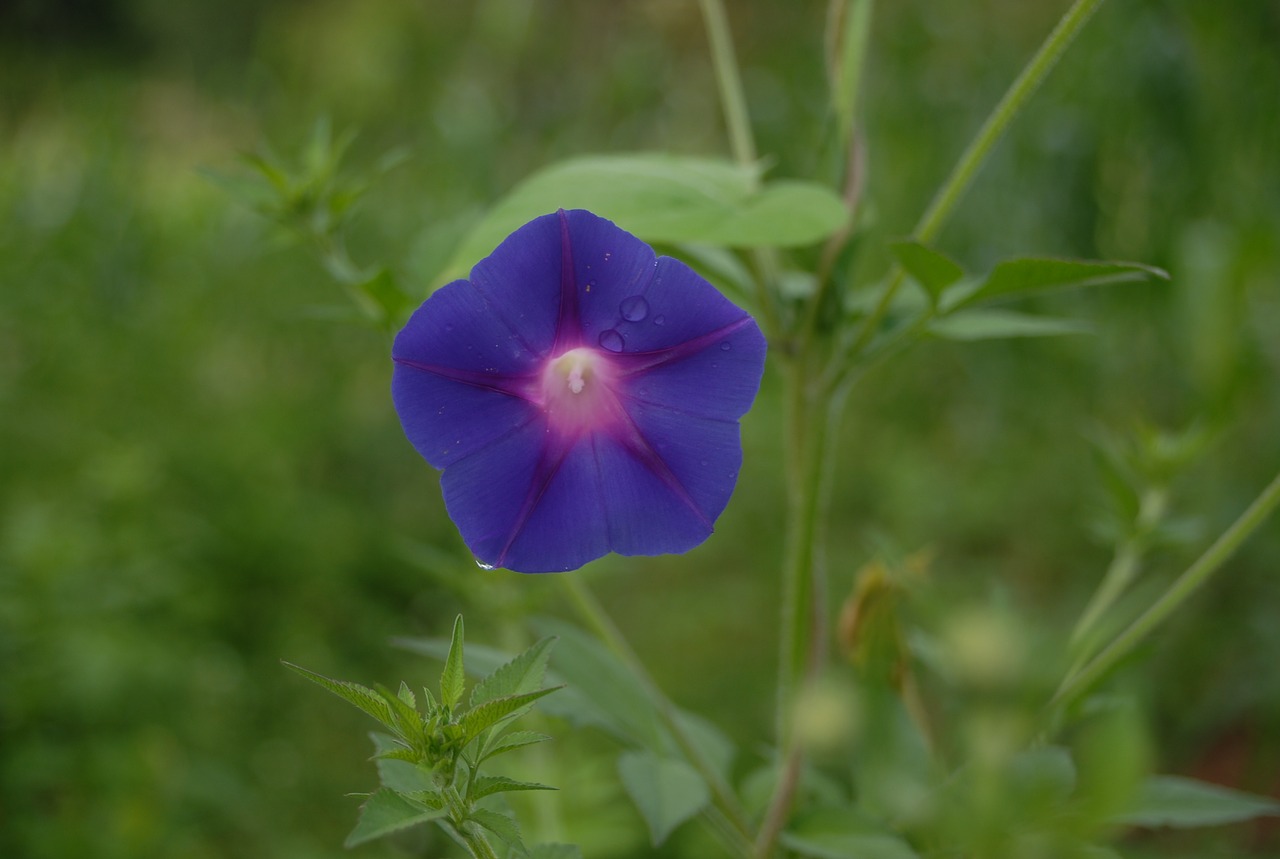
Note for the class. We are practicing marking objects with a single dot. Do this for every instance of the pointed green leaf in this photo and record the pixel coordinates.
(385, 812)
(353, 693)
(970, 325)
(492, 712)
(408, 721)
(454, 677)
(502, 826)
(1185, 802)
(510, 742)
(522, 674)
(932, 270)
(406, 695)
(430, 798)
(666, 791)
(485, 785)
(1019, 276)
(398, 767)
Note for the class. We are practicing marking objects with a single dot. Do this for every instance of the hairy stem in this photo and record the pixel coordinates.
(1183, 587)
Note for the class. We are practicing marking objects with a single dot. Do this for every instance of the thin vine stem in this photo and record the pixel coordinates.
(1182, 588)
(975, 154)
(728, 79)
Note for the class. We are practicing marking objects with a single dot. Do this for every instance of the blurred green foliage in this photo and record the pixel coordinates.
(199, 475)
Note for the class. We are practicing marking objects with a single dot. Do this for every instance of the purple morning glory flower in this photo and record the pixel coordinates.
(581, 395)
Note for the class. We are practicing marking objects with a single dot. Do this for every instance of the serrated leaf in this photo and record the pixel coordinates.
(522, 674)
(843, 834)
(667, 792)
(932, 270)
(510, 742)
(386, 812)
(398, 771)
(486, 785)
(406, 695)
(454, 677)
(969, 325)
(492, 712)
(408, 721)
(1019, 276)
(353, 693)
(502, 826)
(1176, 801)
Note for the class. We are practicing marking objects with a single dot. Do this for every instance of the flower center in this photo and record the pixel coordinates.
(576, 390)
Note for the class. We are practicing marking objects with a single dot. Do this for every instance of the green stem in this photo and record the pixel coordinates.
(810, 414)
(998, 122)
(1182, 588)
(476, 843)
(593, 614)
(962, 175)
(729, 82)
(742, 145)
(1120, 573)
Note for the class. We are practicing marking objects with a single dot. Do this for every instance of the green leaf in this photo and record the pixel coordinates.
(454, 677)
(386, 812)
(666, 791)
(485, 785)
(502, 826)
(663, 198)
(1185, 802)
(510, 742)
(353, 693)
(601, 691)
(843, 834)
(1000, 324)
(1019, 276)
(522, 674)
(929, 268)
(492, 712)
(395, 772)
(408, 721)
(782, 214)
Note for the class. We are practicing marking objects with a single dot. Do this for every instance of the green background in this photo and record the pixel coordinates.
(200, 476)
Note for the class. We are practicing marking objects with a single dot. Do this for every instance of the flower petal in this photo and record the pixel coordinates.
(522, 280)
(462, 377)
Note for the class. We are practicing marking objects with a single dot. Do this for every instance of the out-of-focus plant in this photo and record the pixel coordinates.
(948, 731)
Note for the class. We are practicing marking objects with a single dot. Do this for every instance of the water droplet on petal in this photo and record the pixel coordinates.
(634, 309)
(725, 347)
(659, 319)
(607, 256)
(482, 565)
(611, 340)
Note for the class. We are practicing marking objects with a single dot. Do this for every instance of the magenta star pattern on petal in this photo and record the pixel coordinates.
(581, 395)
